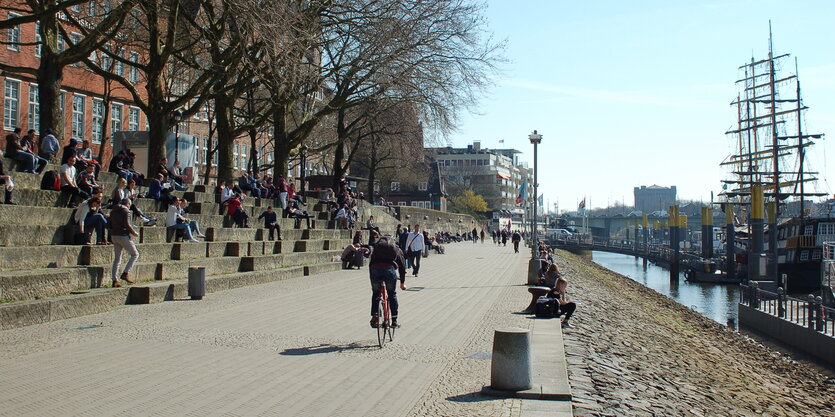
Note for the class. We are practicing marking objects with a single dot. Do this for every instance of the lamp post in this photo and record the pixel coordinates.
(303, 168)
(533, 267)
(176, 115)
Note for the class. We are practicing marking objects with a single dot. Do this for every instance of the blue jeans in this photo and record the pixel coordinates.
(98, 222)
(389, 276)
(186, 228)
(25, 160)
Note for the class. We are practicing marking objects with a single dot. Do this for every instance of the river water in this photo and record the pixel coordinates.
(717, 302)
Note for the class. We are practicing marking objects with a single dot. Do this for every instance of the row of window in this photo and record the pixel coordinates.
(11, 112)
(395, 186)
(13, 40)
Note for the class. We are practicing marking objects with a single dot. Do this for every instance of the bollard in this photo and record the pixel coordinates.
(511, 367)
(819, 313)
(810, 307)
(196, 282)
(781, 299)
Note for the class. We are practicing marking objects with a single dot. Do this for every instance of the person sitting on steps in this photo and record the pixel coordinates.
(7, 183)
(271, 222)
(566, 307)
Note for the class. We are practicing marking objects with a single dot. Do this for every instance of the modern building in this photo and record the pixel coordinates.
(495, 174)
(654, 198)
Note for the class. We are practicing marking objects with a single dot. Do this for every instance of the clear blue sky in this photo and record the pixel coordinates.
(630, 93)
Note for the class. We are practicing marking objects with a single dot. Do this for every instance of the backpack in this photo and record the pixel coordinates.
(546, 308)
(51, 181)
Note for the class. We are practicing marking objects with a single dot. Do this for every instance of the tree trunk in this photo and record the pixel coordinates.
(225, 136)
(105, 137)
(50, 74)
(281, 143)
(253, 151)
(157, 134)
(339, 155)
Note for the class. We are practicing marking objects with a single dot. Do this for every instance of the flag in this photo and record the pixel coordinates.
(523, 192)
(582, 204)
(501, 140)
(542, 200)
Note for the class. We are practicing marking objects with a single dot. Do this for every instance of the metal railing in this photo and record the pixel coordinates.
(810, 313)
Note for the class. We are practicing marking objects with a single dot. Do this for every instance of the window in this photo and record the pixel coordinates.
(133, 119)
(427, 204)
(810, 230)
(11, 100)
(269, 157)
(38, 45)
(61, 119)
(13, 35)
(417, 204)
(214, 155)
(423, 186)
(98, 116)
(401, 203)
(76, 8)
(118, 65)
(106, 6)
(91, 8)
(816, 255)
(376, 186)
(134, 72)
(244, 157)
(804, 255)
(395, 186)
(826, 228)
(196, 149)
(61, 44)
(34, 108)
(115, 118)
(77, 131)
(235, 156)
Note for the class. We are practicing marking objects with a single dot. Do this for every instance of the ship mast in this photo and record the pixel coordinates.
(802, 152)
(775, 150)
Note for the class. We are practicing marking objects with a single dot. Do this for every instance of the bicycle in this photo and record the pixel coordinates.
(384, 327)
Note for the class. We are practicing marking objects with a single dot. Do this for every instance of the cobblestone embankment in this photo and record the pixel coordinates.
(635, 352)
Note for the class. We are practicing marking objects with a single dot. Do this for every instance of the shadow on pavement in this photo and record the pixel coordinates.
(472, 397)
(326, 348)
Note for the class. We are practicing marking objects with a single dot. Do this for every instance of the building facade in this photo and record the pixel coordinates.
(654, 198)
(495, 174)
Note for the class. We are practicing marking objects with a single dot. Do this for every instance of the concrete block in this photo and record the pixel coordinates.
(139, 295)
(511, 367)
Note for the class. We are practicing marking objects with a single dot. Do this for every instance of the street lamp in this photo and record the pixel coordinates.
(176, 116)
(533, 267)
(303, 168)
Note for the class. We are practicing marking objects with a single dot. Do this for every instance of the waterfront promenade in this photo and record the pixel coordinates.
(300, 347)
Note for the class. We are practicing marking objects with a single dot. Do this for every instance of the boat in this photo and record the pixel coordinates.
(771, 146)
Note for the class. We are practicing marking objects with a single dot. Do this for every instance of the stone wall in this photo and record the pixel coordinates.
(388, 217)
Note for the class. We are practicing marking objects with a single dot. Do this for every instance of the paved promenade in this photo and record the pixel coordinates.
(300, 347)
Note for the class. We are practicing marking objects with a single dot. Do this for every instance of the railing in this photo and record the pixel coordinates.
(809, 313)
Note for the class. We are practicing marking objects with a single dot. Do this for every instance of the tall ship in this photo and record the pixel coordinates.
(771, 148)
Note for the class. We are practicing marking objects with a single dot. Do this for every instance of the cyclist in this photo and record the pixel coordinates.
(386, 263)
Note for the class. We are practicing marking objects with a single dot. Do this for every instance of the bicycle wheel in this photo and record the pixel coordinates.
(381, 327)
(391, 333)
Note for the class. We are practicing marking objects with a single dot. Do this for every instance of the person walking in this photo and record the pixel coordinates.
(414, 249)
(121, 231)
(482, 236)
(504, 237)
(517, 237)
(384, 267)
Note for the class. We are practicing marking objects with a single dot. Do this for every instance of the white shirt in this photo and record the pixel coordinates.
(341, 214)
(172, 215)
(226, 193)
(414, 242)
(69, 171)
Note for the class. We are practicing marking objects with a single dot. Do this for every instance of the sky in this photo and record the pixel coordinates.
(631, 93)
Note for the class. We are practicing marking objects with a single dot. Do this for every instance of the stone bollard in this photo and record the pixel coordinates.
(196, 282)
(511, 367)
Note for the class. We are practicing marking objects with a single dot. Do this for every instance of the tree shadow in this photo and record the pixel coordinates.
(327, 348)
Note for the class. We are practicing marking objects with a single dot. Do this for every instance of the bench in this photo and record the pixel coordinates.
(536, 292)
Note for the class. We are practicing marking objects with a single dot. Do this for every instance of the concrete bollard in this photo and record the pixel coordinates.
(511, 367)
(196, 282)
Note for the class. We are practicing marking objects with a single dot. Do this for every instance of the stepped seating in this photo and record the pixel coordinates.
(39, 262)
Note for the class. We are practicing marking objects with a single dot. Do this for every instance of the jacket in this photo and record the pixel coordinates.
(386, 255)
(12, 145)
(120, 221)
(50, 144)
(414, 242)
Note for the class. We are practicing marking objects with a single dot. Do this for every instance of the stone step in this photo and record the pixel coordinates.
(25, 313)
(277, 261)
(31, 285)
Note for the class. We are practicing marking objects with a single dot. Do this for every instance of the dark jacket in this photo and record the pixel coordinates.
(120, 221)
(12, 145)
(269, 218)
(386, 255)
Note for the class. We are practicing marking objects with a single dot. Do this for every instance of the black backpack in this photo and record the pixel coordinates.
(51, 181)
(547, 308)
